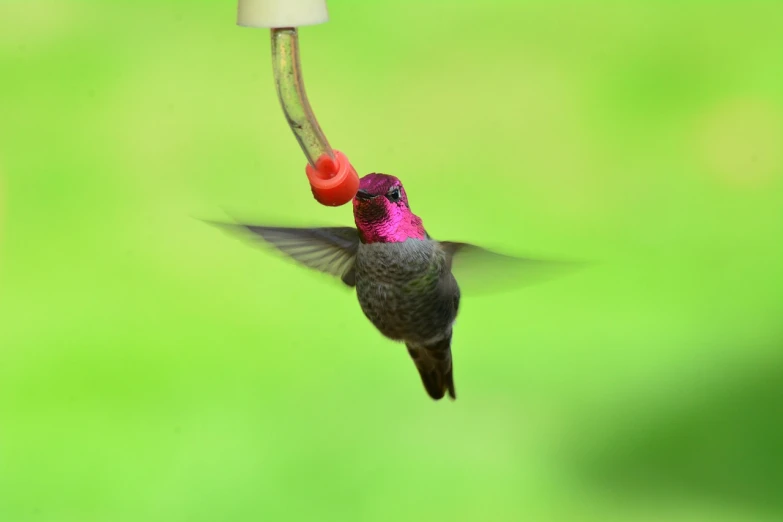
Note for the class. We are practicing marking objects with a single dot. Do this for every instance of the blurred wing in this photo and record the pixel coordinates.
(479, 270)
(329, 250)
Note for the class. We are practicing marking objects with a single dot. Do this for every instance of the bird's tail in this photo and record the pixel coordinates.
(435, 367)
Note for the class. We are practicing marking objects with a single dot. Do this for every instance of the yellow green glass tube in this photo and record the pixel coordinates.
(292, 95)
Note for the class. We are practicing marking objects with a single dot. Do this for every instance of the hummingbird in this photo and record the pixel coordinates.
(402, 276)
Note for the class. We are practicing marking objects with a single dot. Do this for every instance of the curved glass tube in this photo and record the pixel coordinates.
(291, 92)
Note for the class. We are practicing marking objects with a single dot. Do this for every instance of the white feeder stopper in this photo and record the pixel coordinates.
(281, 13)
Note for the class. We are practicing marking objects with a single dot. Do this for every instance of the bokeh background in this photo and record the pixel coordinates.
(155, 369)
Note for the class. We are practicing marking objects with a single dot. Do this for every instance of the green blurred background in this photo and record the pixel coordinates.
(154, 369)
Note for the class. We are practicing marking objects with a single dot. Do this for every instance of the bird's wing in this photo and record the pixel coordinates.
(329, 250)
(479, 270)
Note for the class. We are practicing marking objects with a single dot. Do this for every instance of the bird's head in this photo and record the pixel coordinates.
(382, 213)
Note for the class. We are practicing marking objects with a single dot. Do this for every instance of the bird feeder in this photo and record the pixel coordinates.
(333, 180)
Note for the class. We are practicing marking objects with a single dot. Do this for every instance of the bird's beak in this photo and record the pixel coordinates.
(364, 195)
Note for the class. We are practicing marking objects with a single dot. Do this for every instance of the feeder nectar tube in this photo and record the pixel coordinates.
(332, 178)
(292, 95)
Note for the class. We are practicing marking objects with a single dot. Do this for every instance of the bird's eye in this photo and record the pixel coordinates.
(394, 195)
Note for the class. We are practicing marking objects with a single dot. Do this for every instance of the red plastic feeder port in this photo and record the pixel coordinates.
(333, 180)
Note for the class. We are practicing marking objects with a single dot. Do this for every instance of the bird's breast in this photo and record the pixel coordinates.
(397, 262)
(399, 288)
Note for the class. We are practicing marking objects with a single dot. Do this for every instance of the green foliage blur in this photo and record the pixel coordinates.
(155, 369)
